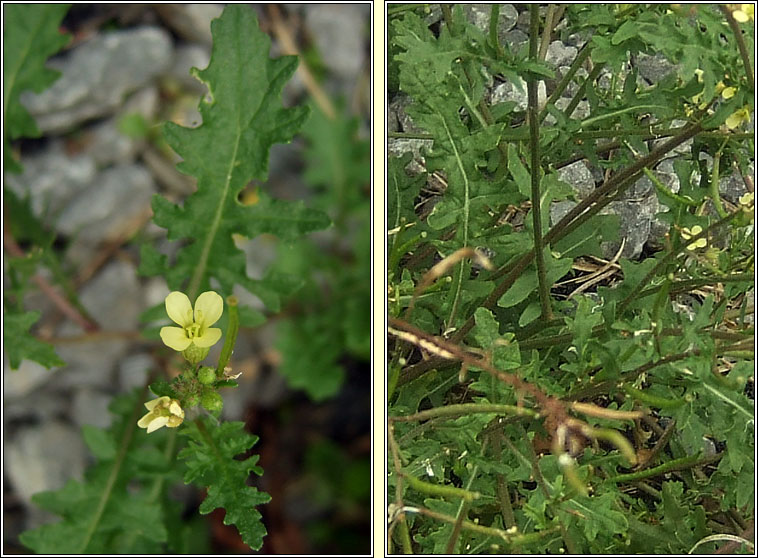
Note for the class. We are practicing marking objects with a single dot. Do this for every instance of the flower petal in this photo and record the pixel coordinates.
(175, 337)
(179, 308)
(176, 409)
(157, 423)
(208, 309)
(740, 16)
(146, 420)
(209, 338)
(150, 405)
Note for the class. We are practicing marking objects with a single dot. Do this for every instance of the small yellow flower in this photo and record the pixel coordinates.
(164, 411)
(744, 13)
(747, 200)
(689, 233)
(195, 327)
(728, 92)
(736, 119)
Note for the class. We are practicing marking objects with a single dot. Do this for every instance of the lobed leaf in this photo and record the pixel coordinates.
(242, 118)
(20, 344)
(210, 459)
(30, 37)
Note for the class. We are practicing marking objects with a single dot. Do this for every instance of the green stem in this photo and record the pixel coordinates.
(666, 193)
(494, 19)
(582, 88)
(441, 490)
(126, 441)
(740, 45)
(561, 87)
(536, 171)
(461, 409)
(231, 336)
(675, 465)
(715, 196)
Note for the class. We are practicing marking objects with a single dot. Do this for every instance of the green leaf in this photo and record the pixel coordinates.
(242, 119)
(310, 347)
(112, 510)
(337, 160)
(30, 37)
(598, 514)
(20, 344)
(210, 459)
(526, 284)
(99, 442)
(627, 30)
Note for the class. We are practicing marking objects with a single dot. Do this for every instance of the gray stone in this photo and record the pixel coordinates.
(639, 190)
(108, 144)
(516, 38)
(732, 186)
(113, 298)
(107, 209)
(507, 91)
(559, 209)
(133, 370)
(581, 111)
(479, 15)
(654, 67)
(398, 110)
(52, 178)
(191, 21)
(560, 54)
(90, 406)
(338, 31)
(634, 227)
(43, 457)
(579, 177)
(398, 147)
(97, 75)
(42, 405)
(187, 57)
(28, 377)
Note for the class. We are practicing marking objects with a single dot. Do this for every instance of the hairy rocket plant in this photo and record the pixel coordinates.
(123, 504)
(545, 397)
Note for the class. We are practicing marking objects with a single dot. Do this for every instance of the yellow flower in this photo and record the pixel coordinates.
(746, 200)
(736, 119)
(727, 92)
(164, 411)
(195, 327)
(745, 13)
(696, 230)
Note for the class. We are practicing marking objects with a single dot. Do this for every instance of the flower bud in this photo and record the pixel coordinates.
(212, 401)
(206, 375)
(194, 354)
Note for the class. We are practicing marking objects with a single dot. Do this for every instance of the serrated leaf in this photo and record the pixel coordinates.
(30, 37)
(20, 344)
(242, 118)
(210, 459)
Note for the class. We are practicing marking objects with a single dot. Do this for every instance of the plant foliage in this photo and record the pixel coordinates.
(242, 118)
(210, 459)
(30, 37)
(538, 402)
